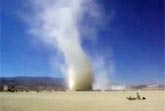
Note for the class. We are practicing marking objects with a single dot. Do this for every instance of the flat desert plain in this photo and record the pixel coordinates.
(82, 101)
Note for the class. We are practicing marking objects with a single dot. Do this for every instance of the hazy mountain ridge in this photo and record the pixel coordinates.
(23, 83)
(33, 83)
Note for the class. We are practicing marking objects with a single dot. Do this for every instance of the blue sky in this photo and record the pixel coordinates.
(135, 34)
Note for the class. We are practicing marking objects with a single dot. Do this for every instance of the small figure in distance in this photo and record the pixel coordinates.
(138, 96)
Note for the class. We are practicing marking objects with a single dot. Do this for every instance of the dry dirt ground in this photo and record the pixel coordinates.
(82, 101)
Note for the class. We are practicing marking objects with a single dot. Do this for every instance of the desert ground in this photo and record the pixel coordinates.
(82, 101)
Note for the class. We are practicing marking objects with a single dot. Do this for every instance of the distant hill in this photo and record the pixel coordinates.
(38, 84)
(33, 83)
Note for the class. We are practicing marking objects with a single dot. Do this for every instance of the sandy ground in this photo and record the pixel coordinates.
(82, 101)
